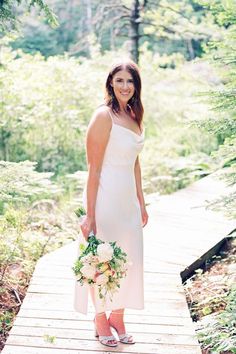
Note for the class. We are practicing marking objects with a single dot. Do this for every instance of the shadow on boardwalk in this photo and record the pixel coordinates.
(180, 230)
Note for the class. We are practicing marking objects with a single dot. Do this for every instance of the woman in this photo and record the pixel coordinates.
(113, 197)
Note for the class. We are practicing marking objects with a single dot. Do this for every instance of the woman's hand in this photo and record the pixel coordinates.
(88, 225)
(144, 215)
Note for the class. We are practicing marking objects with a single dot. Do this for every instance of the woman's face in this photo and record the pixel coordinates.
(123, 86)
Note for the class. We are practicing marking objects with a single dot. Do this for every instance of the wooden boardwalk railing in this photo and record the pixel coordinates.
(180, 230)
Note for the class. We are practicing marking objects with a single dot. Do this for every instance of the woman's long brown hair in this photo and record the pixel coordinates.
(134, 105)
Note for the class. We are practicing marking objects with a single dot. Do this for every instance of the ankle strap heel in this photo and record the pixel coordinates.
(108, 341)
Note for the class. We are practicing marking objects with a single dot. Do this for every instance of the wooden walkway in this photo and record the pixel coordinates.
(180, 231)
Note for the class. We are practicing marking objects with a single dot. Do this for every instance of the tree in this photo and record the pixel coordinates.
(222, 122)
(10, 10)
(184, 25)
(162, 23)
(168, 26)
(72, 31)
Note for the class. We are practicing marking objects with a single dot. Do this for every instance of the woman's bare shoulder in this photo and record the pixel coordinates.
(102, 110)
(101, 117)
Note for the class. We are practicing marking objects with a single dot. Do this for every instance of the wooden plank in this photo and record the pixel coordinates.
(149, 268)
(162, 266)
(131, 327)
(54, 300)
(162, 284)
(189, 271)
(85, 334)
(121, 349)
(150, 277)
(85, 345)
(165, 310)
(129, 317)
(156, 311)
(157, 293)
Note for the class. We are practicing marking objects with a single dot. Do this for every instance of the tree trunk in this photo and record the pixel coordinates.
(89, 25)
(89, 16)
(190, 49)
(134, 31)
(112, 38)
(5, 135)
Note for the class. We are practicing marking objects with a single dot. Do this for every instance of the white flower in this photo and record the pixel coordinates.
(85, 259)
(104, 252)
(88, 271)
(101, 279)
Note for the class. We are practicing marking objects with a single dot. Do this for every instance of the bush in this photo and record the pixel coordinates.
(221, 122)
(217, 331)
(48, 103)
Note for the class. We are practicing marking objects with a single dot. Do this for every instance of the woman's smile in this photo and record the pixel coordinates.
(123, 85)
(125, 93)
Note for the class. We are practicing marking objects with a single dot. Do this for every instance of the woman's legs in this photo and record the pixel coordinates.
(101, 322)
(116, 320)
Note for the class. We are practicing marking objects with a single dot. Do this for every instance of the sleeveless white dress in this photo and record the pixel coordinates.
(118, 218)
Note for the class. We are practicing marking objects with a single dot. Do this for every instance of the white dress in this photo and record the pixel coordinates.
(118, 218)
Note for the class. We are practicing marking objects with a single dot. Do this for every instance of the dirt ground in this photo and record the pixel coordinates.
(12, 293)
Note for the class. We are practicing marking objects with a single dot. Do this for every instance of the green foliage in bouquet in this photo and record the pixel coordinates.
(80, 211)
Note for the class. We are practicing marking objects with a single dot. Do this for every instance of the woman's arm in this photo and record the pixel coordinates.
(96, 141)
(138, 179)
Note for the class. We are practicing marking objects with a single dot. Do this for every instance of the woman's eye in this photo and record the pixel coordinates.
(130, 81)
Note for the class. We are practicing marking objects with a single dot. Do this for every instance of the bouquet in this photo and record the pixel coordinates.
(100, 263)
